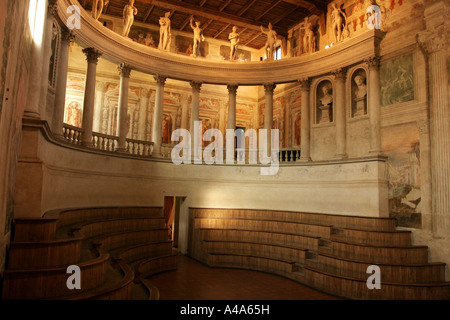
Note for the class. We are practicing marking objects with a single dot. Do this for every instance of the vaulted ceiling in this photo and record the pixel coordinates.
(218, 17)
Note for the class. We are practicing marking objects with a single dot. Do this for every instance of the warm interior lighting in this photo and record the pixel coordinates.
(36, 18)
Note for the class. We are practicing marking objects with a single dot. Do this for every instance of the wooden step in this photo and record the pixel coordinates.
(143, 250)
(113, 241)
(151, 266)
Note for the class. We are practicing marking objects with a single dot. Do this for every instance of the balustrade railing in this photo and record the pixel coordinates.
(289, 155)
(106, 142)
(72, 134)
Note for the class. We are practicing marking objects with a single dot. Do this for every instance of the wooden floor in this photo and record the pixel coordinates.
(195, 281)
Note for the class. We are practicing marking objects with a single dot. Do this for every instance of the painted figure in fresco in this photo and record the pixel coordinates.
(165, 32)
(148, 41)
(234, 38)
(74, 115)
(298, 124)
(198, 37)
(338, 22)
(129, 11)
(97, 8)
(189, 50)
(271, 41)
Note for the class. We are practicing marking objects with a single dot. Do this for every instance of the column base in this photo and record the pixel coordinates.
(341, 156)
(87, 144)
(304, 159)
(120, 150)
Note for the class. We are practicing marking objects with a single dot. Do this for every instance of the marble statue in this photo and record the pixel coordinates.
(129, 11)
(165, 32)
(234, 39)
(97, 7)
(309, 39)
(360, 95)
(271, 41)
(198, 37)
(326, 103)
(338, 23)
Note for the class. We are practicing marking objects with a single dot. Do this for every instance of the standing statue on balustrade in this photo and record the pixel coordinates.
(309, 38)
(97, 7)
(271, 41)
(198, 37)
(129, 11)
(234, 39)
(164, 32)
(338, 23)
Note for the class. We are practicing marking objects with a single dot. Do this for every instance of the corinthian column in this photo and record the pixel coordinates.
(158, 115)
(434, 44)
(232, 90)
(92, 56)
(122, 127)
(61, 82)
(341, 132)
(374, 105)
(305, 130)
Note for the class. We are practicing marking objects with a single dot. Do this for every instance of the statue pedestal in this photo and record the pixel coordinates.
(325, 114)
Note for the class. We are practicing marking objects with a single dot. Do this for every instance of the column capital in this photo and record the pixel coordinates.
(160, 79)
(196, 86)
(304, 83)
(52, 8)
(92, 55)
(269, 87)
(340, 74)
(124, 70)
(432, 41)
(67, 36)
(232, 88)
(373, 62)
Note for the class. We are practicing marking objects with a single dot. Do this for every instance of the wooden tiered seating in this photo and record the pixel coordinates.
(328, 252)
(114, 248)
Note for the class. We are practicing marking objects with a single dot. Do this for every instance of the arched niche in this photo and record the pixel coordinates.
(324, 102)
(358, 93)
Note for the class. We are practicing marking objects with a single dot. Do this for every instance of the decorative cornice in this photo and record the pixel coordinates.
(92, 55)
(67, 36)
(52, 8)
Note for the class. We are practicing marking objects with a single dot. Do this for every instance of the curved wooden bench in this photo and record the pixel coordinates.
(357, 289)
(154, 265)
(256, 249)
(143, 250)
(44, 254)
(34, 229)
(85, 215)
(52, 282)
(265, 225)
(403, 273)
(378, 254)
(338, 221)
(275, 238)
(383, 238)
(153, 291)
(252, 262)
(116, 240)
(92, 229)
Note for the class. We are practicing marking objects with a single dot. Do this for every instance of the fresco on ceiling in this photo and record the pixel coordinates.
(402, 146)
(397, 80)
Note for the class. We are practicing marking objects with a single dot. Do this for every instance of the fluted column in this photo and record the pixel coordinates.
(305, 129)
(434, 44)
(122, 128)
(374, 105)
(269, 88)
(231, 122)
(61, 83)
(341, 132)
(184, 111)
(195, 116)
(92, 56)
(158, 115)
